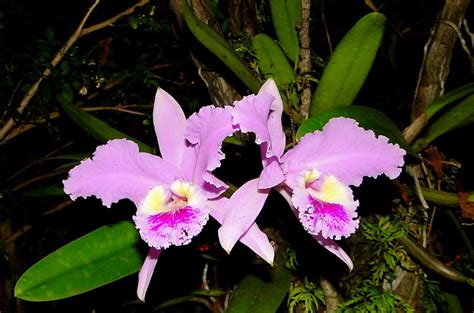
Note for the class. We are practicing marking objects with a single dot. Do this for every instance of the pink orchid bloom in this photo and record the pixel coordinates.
(314, 176)
(175, 193)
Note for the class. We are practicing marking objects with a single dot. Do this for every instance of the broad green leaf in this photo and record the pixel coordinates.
(286, 15)
(368, 118)
(350, 64)
(460, 115)
(96, 259)
(256, 295)
(94, 126)
(47, 191)
(220, 48)
(449, 98)
(273, 63)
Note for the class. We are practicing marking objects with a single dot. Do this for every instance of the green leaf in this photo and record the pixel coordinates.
(220, 48)
(350, 64)
(271, 60)
(460, 115)
(133, 21)
(368, 118)
(444, 198)
(449, 98)
(96, 259)
(49, 34)
(256, 295)
(286, 15)
(273, 63)
(94, 126)
(47, 191)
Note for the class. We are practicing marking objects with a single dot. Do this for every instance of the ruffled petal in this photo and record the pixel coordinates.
(146, 272)
(334, 248)
(170, 123)
(207, 129)
(331, 220)
(261, 114)
(274, 124)
(117, 171)
(329, 244)
(345, 150)
(176, 227)
(253, 238)
(241, 212)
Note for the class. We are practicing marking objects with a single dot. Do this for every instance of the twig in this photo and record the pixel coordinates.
(47, 72)
(78, 33)
(53, 115)
(305, 57)
(38, 160)
(326, 30)
(58, 207)
(112, 20)
(26, 228)
(38, 178)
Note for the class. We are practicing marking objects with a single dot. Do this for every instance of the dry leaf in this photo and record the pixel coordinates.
(466, 206)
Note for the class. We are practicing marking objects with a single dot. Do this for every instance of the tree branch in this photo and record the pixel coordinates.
(436, 61)
(305, 57)
(78, 33)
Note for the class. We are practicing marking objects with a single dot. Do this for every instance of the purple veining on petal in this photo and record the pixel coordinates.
(332, 220)
(176, 227)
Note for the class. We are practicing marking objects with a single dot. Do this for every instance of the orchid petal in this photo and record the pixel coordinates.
(335, 249)
(253, 238)
(275, 126)
(118, 171)
(345, 150)
(329, 244)
(170, 124)
(175, 228)
(261, 114)
(146, 272)
(331, 220)
(271, 175)
(207, 129)
(242, 210)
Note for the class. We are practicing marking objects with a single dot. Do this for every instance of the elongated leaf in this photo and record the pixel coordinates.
(449, 98)
(368, 118)
(220, 48)
(286, 15)
(273, 63)
(96, 259)
(271, 60)
(460, 115)
(349, 65)
(47, 191)
(256, 295)
(444, 198)
(95, 127)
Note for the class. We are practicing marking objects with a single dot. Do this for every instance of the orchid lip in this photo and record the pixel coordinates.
(172, 215)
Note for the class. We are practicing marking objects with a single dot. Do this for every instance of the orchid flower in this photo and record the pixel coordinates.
(175, 193)
(314, 177)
